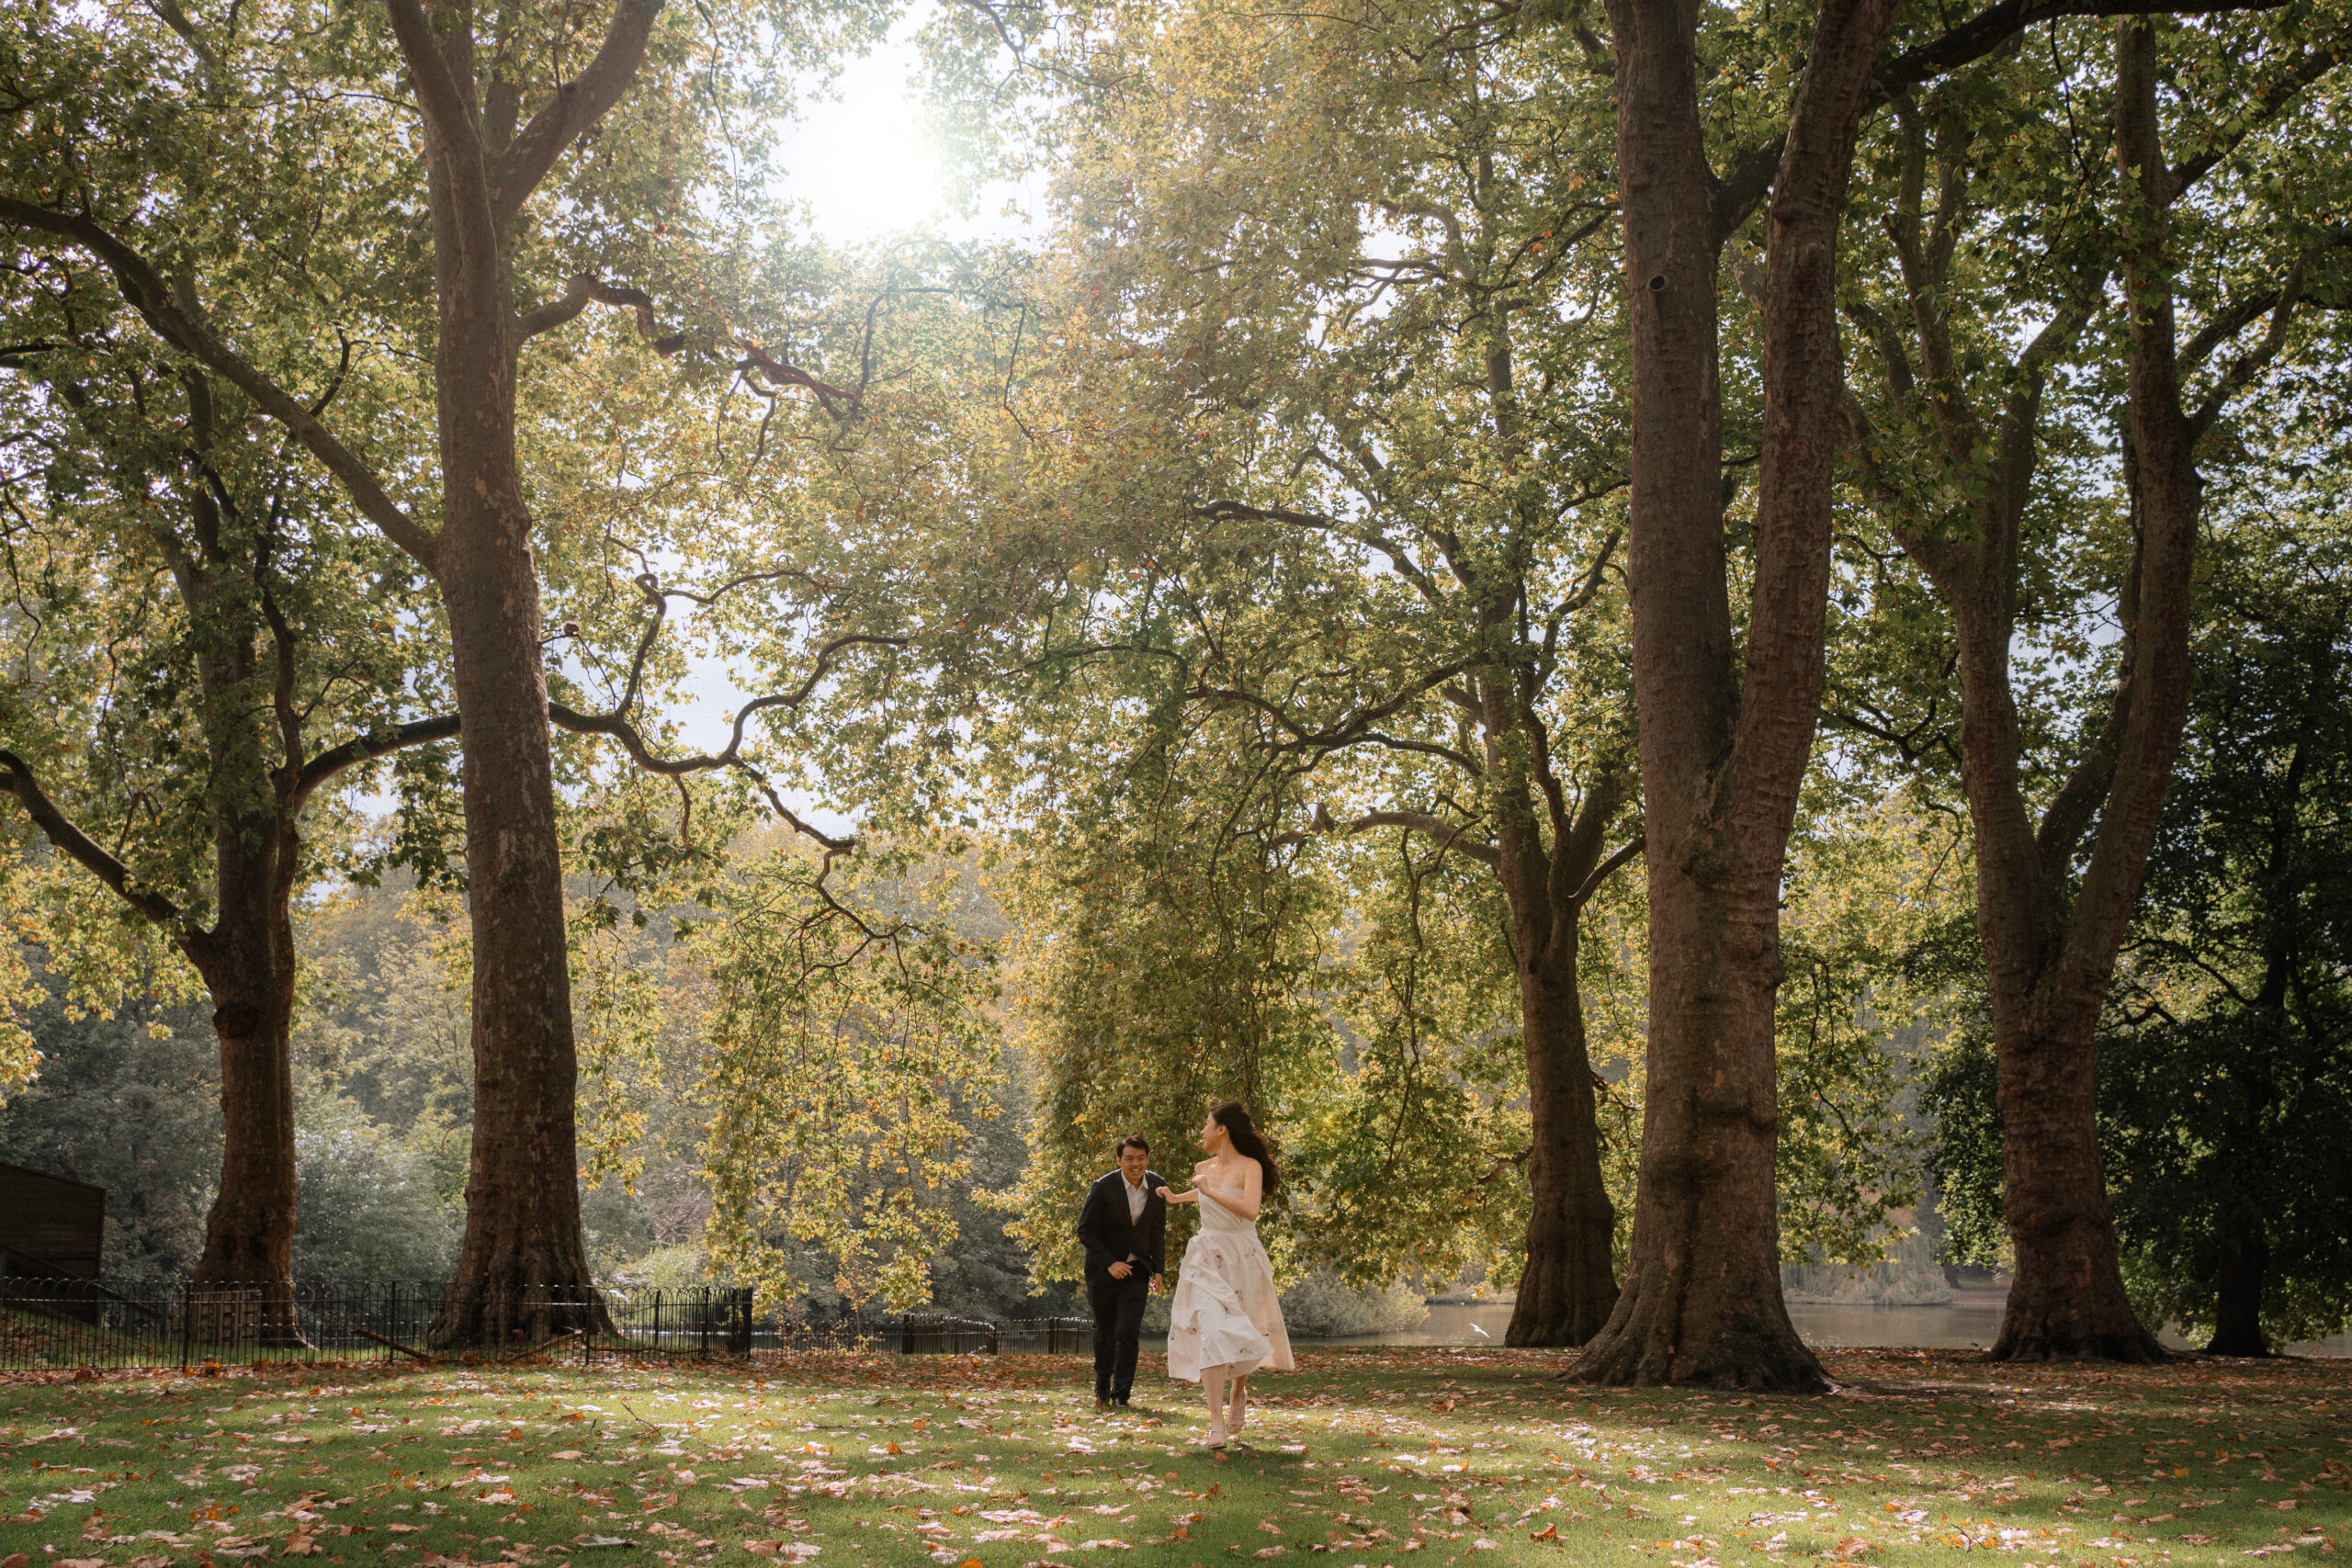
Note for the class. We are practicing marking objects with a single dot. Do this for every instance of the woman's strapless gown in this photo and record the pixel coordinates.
(1226, 1312)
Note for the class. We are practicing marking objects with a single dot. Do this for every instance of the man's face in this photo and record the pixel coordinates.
(1133, 1163)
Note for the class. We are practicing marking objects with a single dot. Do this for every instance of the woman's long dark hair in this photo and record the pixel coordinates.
(1234, 1117)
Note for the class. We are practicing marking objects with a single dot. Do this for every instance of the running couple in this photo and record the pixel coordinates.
(1225, 1322)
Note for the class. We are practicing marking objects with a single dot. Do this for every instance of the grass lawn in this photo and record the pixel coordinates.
(1370, 1457)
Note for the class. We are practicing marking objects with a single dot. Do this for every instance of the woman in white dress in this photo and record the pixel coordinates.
(1226, 1321)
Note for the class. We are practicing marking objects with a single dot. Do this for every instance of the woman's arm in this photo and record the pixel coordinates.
(1244, 1200)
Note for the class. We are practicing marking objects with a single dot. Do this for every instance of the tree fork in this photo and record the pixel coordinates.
(1726, 733)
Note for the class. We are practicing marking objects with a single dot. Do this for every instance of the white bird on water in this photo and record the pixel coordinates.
(1480, 1332)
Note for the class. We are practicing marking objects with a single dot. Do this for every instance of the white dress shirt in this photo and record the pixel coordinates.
(1136, 1193)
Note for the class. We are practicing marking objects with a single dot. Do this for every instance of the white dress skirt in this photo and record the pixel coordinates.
(1226, 1312)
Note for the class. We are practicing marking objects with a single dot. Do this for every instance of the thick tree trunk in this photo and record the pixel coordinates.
(249, 1237)
(1702, 1301)
(2068, 1299)
(522, 1259)
(1569, 1285)
(2237, 1317)
(243, 1283)
(247, 963)
(1723, 739)
(523, 1265)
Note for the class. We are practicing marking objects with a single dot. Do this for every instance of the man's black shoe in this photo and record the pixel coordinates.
(1102, 1403)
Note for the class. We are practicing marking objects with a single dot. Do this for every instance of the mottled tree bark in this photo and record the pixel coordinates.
(2044, 1006)
(2050, 964)
(1726, 733)
(1568, 1286)
(523, 1265)
(247, 963)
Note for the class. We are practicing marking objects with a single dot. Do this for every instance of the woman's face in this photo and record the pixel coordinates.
(1213, 1138)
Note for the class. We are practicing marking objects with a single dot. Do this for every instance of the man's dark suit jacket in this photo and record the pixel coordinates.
(1104, 1230)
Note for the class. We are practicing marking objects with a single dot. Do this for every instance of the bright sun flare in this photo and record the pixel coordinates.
(858, 158)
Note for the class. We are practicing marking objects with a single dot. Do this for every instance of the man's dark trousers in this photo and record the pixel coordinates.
(1117, 1305)
(1111, 1233)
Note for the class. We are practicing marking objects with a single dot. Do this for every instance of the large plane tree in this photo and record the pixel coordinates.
(446, 186)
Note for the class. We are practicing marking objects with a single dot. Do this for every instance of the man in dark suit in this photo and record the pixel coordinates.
(1123, 1228)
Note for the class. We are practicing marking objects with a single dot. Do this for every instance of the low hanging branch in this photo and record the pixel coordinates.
(586, 288)
(17, 778)
(620, 725)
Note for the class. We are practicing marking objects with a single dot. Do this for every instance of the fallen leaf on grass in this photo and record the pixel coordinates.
(301, 1546)
(399, 1529)
(1549, 1532)
(600, 1542)
(567, 1454)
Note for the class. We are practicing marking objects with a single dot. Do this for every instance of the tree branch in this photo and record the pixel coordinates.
(178, 20)
(447, 106)
(369, 747)
(1738, 193)
(1407, 567)
(619, 726)
(178, 320)
(1608, 868)
(784, 374)
(16, 778)
(584, 286)
(2282, 312)
(1352, 728)
(1448, 835)
(577, 105)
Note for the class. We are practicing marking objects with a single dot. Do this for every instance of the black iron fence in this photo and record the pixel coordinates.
(1051, 1335)
(81, 1323)
(922, 1334)
(70, 1323)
